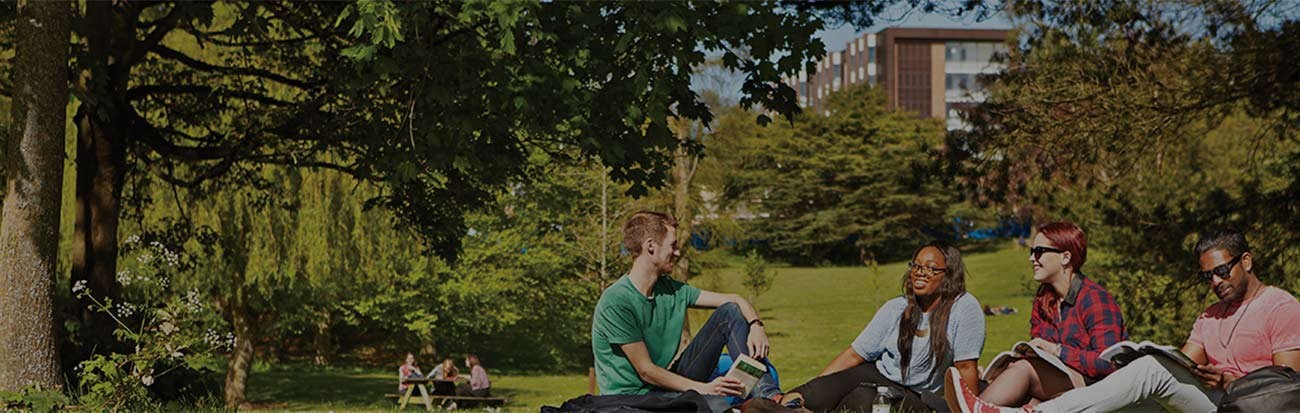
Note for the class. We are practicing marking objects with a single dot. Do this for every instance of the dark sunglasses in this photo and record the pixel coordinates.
(1037, 252)
(924, 271)
(1223, 271)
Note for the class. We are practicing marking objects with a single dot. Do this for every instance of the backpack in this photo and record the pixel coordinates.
(1270, 389)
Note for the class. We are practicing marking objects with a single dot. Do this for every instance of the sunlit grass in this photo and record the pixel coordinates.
(811, 314)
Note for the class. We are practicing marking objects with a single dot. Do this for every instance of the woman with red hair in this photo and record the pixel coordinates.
(1073, 318)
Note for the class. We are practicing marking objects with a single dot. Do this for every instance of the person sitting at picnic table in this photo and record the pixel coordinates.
(478, 385)
(445, 371)
(408, 370)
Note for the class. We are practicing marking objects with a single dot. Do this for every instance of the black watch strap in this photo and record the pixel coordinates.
(757, 321)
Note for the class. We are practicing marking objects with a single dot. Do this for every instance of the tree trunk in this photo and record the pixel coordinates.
(241, 357)
(683, 171)
(29, 235)
(323, 340)
(101, 168)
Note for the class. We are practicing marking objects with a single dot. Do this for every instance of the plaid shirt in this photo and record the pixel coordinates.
(1089, 321)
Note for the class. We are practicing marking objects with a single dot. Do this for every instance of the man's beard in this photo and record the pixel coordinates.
(1233, 294)
(668, 267)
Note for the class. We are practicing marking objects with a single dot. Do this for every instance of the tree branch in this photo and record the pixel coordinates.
(138, 92)
(165, 52)
(154, 139)
(300, 23)
(212, 38)
(216, 170)
(161, 28)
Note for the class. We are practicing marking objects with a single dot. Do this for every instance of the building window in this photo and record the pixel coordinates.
(871, 54)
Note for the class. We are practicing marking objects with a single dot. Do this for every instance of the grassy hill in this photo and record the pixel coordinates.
(811, 314)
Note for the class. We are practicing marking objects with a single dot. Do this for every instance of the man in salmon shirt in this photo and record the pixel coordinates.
(1252, 326)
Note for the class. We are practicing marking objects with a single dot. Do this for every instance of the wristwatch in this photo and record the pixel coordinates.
(757, 321)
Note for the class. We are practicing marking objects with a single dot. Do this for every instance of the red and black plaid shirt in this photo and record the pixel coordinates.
(1089, 321)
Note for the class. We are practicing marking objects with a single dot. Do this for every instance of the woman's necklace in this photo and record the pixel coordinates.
(1239, 317)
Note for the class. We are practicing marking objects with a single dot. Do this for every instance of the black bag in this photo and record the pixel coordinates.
(1270, 389)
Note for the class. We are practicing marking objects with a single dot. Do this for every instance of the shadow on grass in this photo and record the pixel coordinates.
(303, 387)
(297, 389)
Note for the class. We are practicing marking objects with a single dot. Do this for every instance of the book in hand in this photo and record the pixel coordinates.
(748, 371)
(1122, 353)
(1023, 351)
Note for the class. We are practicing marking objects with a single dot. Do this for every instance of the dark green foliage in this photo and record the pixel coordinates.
(489, 82)
(856, 185)
(34, 399)
(1148, 123)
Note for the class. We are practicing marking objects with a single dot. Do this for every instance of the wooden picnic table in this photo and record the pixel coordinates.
(428, 398)
(412, 384)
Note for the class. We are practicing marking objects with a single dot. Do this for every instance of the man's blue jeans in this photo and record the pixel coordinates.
(726, 328)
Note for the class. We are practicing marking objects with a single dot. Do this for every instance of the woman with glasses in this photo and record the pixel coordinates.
(1073, 318)
(909, 343)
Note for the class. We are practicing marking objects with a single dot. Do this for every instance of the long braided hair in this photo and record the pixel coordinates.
(952, 287)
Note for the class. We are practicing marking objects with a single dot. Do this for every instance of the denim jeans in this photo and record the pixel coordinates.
(726, 328)
(1151, 379)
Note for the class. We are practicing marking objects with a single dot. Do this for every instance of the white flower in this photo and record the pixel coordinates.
(167, 328)
(79, 286)
(147, 380)
(212, 338)
(132, 239)
(170, 257)
(177, 354)
(125, 310)
(124, 277)
(192, 302)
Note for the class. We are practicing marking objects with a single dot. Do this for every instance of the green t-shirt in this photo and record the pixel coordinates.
(625, 316)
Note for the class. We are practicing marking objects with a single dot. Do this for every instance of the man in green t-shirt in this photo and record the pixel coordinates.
(637, 327)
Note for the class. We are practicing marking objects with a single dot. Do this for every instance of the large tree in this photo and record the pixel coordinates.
(29, 233)
(437, 103)
(1148, 122)
(841, 187)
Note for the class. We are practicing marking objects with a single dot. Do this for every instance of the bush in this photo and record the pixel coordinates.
(758, 276)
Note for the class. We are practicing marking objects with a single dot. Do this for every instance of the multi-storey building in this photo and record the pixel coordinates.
(928, 71)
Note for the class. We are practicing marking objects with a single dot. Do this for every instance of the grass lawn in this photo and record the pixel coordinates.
(811, 313)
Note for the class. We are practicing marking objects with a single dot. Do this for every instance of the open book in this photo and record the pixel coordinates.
(1022, 350)
(1122, 353)
(748, 371)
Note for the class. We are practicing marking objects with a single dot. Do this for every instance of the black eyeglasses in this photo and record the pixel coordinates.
(924, 271)
(1223, 271)
(1037, 252)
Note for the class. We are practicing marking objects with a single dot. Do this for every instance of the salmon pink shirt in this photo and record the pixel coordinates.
(1243, 337)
